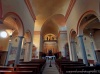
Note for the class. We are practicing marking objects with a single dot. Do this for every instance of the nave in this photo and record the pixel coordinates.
(31, 31)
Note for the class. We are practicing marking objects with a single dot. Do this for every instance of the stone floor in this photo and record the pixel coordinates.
(50, 70)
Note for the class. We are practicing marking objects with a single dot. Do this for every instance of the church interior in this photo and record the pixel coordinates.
(49, 36)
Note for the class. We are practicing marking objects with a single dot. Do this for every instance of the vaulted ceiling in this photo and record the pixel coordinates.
(50, 16)
(46, 9)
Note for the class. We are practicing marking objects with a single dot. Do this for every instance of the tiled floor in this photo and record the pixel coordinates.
(50, 70)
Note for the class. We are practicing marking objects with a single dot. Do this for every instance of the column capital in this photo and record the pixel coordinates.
(80, 36)
(29, 42)
(21, 36)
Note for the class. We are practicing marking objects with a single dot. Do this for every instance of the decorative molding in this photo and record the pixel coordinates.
(36, 32)
(63, 32)
(70, 7)
(19, 20)
(30, 9)
(82, 16)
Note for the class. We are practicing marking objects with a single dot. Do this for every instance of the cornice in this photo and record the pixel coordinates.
(70, 7)
(36, 32)
(29, 6)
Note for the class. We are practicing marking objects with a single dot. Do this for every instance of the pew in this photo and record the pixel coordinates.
(40, 62)
(37, 66)
(81, 72)
(81, 69)
(6, 68)
(70, 67)
(65, 61)
(16, 72)
(30, 65)
(33, 69)
(61, 64)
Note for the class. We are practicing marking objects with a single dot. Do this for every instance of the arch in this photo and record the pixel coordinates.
(72, 45)
(70, 34)
(49, 27)
(59, 19)
(86, 26)
(28, 36)
(14, 16)
(82, 17)
(51, 36)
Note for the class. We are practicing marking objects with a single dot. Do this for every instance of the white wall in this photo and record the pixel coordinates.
(80, 7)
(19, 7)
(97, 40)
(36, 41)
(62, 40)
(88, 48)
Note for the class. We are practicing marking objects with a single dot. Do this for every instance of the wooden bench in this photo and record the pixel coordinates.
(58, 62)
(16, 72)
(33, 69)
(81, 69)
(33, 64)
(42, 63)
(6, 68)
(81, 72)
(70, 67)
(37, 66)
(61, 64)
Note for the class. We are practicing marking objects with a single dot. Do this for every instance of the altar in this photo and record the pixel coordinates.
(50, 57)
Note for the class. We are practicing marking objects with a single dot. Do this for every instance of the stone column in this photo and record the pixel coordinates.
(61, 42)
(9, 50)
(18, 50)
(74, 54)
(30, 51)
(84, 56)
(92, 46)
(93, 50)
(27, 52)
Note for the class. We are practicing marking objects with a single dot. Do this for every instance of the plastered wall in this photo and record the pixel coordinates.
(36, 41)
(20, 8)
(62, 40)
(80, 7)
